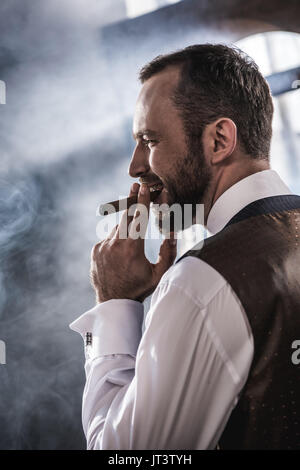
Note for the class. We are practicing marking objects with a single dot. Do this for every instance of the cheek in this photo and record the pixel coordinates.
(160, 161)
(156, 160)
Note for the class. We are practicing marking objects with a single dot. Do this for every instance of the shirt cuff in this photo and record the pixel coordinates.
(115, 327)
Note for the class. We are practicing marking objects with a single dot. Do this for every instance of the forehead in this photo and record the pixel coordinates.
(154, 103)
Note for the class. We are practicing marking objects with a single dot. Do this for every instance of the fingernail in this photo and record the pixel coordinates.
(173, 241)
(143, 188)
(134, 188)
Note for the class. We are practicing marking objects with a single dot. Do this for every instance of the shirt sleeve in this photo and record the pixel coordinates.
(173, 387)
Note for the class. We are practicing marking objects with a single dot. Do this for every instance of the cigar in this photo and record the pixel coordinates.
(121, 204)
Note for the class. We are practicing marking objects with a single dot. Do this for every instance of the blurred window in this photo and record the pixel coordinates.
(140, 7)
(277, 52)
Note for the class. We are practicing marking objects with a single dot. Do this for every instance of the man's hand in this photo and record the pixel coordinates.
(119, 267)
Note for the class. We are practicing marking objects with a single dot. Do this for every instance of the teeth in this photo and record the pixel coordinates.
(156, 187)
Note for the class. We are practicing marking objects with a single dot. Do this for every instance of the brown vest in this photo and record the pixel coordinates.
(258, 253)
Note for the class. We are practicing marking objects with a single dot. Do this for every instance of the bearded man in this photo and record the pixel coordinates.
(212, 367)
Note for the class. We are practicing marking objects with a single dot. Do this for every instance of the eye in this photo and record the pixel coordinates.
(149, 142)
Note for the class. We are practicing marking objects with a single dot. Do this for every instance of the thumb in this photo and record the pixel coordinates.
(167, 255)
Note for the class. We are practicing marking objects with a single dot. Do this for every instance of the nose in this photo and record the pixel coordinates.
(139, 164)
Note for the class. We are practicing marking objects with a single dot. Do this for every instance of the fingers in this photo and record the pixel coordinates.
(140, 219)
(134, 225)
(122, 231)
(112, 233)
(95, 250)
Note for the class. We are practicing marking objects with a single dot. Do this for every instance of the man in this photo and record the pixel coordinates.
(213, 366)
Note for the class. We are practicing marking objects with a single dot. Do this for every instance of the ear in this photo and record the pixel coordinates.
(220, 138)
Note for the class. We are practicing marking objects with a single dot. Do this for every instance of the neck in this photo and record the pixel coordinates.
(229, 175)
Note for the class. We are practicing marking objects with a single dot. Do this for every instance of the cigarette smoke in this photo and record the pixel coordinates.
(61, 137)
(65, 134)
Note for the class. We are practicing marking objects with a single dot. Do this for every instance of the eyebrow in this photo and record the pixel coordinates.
(149, 132)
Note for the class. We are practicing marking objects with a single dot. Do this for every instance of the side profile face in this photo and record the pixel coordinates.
(162, 155)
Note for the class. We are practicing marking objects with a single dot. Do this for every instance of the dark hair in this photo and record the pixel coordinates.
(220, 81)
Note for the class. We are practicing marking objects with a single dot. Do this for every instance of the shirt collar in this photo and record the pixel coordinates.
(259, 185)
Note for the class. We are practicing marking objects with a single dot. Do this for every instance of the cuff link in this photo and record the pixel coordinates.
(88, 339)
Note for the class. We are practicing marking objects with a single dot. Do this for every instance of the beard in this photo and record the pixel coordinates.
(188, 185)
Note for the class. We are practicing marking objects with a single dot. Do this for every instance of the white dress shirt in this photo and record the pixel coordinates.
(174, 385)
